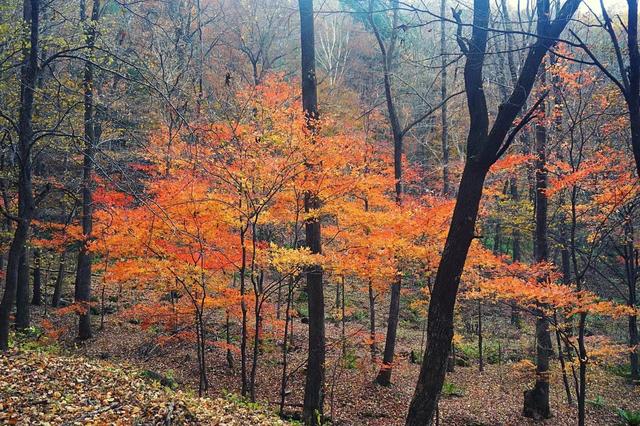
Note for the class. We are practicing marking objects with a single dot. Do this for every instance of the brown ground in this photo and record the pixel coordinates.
(493, 397)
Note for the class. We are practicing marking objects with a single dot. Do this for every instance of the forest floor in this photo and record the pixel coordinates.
(50, 389)
(470, 397)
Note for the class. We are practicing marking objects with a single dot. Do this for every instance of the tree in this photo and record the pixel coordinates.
(85, 258)
(26, 199)
(484, 147)
(313, 391)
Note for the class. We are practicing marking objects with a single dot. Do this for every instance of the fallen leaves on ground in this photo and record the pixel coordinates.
(48, 389)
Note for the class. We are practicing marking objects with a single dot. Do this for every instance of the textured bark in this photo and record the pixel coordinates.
(372, 322)
(483, 148)
(516, 256)
(36, 300)
(85, 257)
(631, 262)
(22, 317)
(536, 400)
(23, 314)
(384, 375)
(387, 51)
(59, 284)
(314, 385)
(26, 203)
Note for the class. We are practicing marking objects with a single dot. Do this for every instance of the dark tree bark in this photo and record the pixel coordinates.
(631, 273)
(26, 202)
(387, 52)
(85, 257)
(23, 314)
(480, 337)
(372, 322)
(384, 375)
(628, 81)
(536, 400)
(484, 146)
(314, 385)
(516, 255)
(37, 278)
(59, 284)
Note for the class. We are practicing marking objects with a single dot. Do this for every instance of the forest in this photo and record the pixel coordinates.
(329, 212)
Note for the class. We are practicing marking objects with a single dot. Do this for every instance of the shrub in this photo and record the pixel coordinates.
(629, 418)
(451, 389)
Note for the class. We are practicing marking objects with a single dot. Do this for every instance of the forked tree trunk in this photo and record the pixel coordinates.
(484, 147)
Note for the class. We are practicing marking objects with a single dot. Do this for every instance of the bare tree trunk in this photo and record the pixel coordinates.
(484, 146)
(37, 278)
(631, 262)
(536, 400)
(23, 315)
(285, 348)
(314, 385)
(388, 53)
(58, 286)
(372, 321)
(516, 256)
(85, 257)
(384, 375)
(480, 348)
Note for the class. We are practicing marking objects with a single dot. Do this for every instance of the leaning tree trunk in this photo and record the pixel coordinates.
(26, 203)
(85, 257)
(484, 147)
(312, 410)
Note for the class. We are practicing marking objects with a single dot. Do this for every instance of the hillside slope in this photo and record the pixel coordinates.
(49, 389)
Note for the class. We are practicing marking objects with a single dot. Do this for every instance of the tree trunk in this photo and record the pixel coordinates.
(314, 385)
(633, 91)
(85, 257)
(440, 322)
(37, 278)
(59, 284)
(480, 348)
(536, 400)
(516, 256)
(372, 321)
(23, 315)
(388, 54)
(484, 146)
(26, 203)
(631, 261)
(384, 375)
